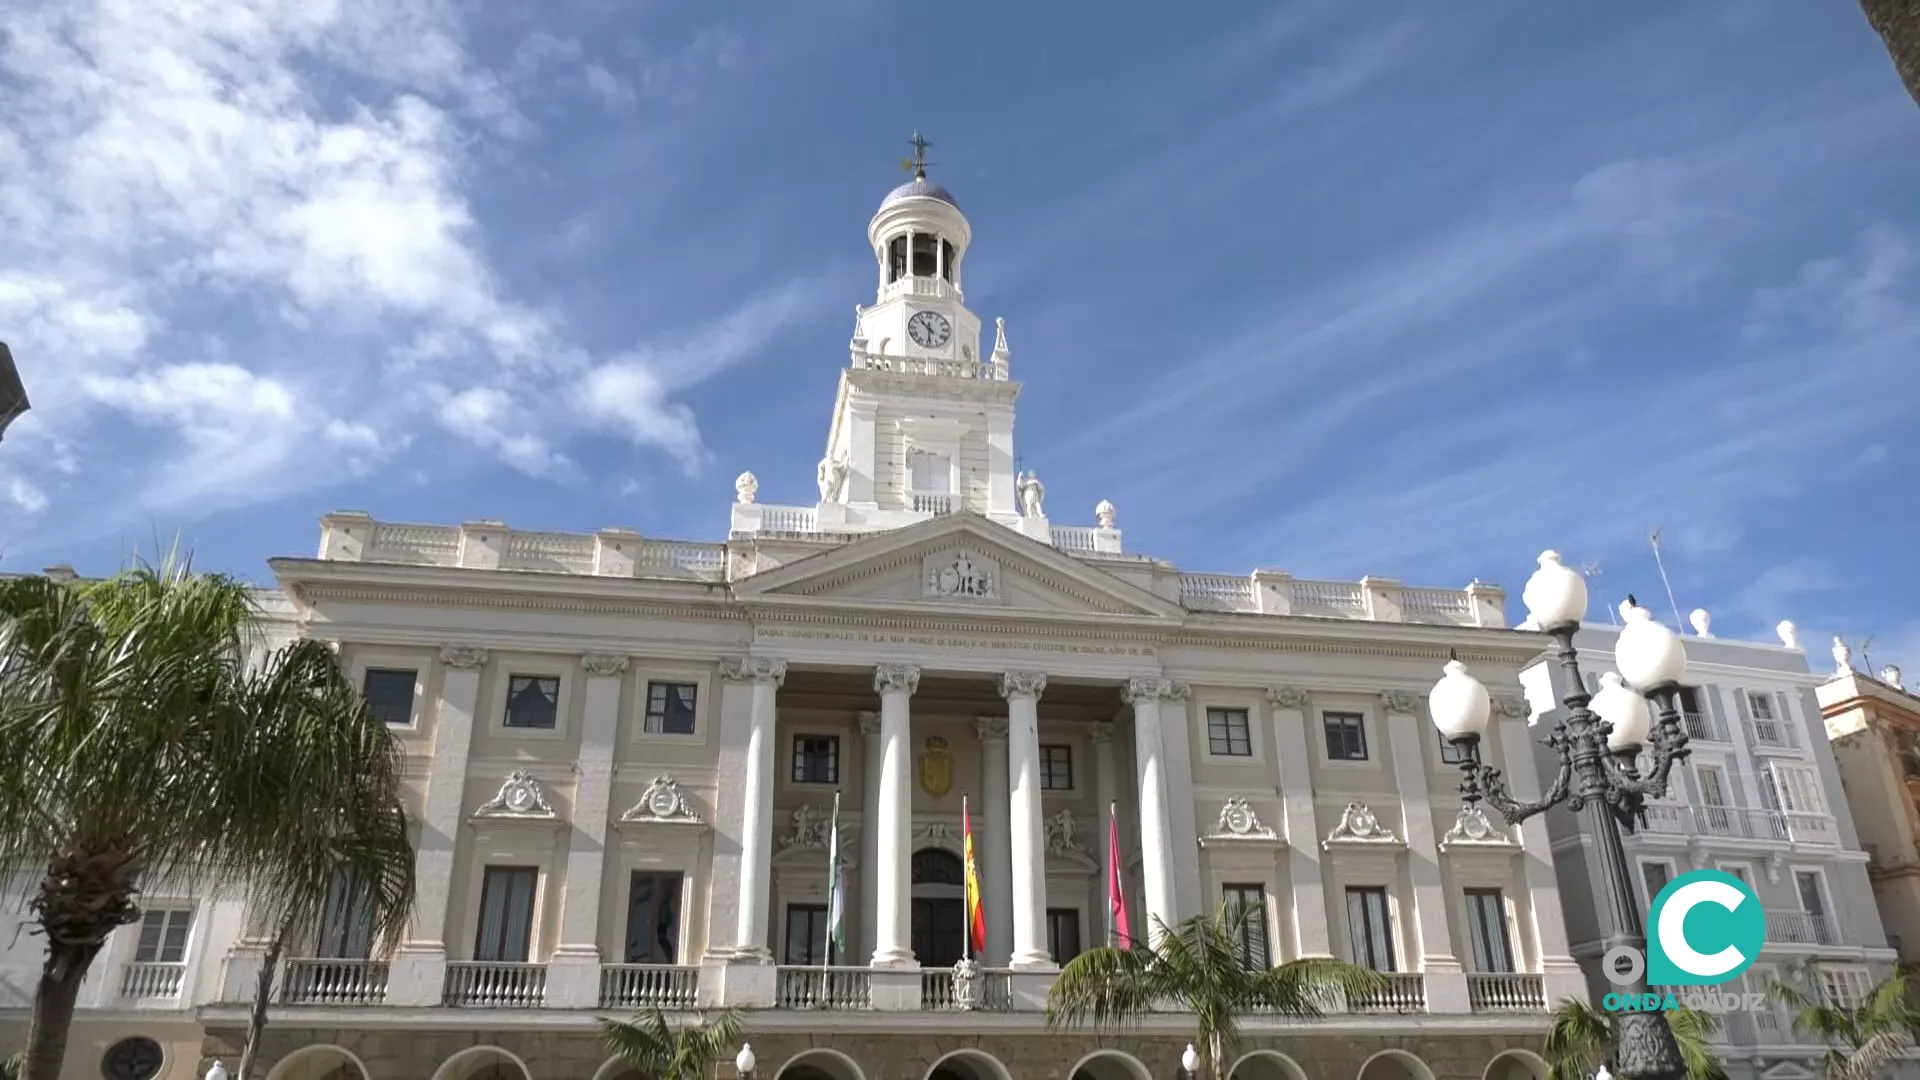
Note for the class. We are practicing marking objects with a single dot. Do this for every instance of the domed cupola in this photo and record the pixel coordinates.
(919, 236)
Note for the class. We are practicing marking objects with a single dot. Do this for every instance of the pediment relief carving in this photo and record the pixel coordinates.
(807, 841)
(663, 803)
(1358, 827)
(520, 798)
(1239, 824)
(1475, 830)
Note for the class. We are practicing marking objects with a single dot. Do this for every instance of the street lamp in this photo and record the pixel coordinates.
(1190, 1062)
(216, 1071)
(1598, 740)
(743, 1062)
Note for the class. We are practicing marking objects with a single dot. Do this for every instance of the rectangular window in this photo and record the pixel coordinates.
(1487, 925)
(1247, 913)
(1228, 734)
(1063, 933)
(1713, 799)
(1795, 787)
(1451, 754)
(346, 919)
(533, 702)
(1370, 928)
(1760, 705)
(653, 918)
(389, 693)
(1845, 987)
(1738, 870)
(1056, 768)
(670, 708)
(1346, 736)
(1655, 876)
(932, 474)
(1813, 901)
(807, 934)
(816, 759)
(506, 915)
(163, 936)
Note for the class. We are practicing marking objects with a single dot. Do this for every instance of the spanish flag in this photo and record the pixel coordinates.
(976, 916)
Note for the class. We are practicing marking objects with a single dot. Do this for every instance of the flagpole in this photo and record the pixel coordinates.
(966, 915)
(1113, 828)
(834, 886)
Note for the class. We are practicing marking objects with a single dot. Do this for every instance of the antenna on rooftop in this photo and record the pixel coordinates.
(1653, 541)
(1591, 572)
(1866, 659)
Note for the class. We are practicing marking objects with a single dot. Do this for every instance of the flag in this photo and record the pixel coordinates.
(1117, 927)
(976, 915)
(836, 889)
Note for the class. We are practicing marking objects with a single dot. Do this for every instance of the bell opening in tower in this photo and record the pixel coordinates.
(919, 255)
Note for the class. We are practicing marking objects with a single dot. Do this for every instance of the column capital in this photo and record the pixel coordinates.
(463, 656)
(896, 679)
(1101, 733)
(604, 664)
(1398, 701)
(991, 728)
(869, 723)
(1018, 684)
(753, 669)
(1151, 688)
(1287, 697)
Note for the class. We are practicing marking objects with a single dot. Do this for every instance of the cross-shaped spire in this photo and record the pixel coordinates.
(917, 164)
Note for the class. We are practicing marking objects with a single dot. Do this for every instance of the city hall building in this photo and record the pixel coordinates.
(624, 754)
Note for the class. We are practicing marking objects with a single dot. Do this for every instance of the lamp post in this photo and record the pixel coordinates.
(1190, 1062)
(1598, 740)
(216, 1071)
(744, 1063)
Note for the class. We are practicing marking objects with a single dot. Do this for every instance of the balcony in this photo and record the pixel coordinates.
(935, 504)
(1802, 928)
(334, 982)
(832, 988)
(1773, 734)
(1704, 727)
(1506, 992)
(644, 986)
(1787, 826)
(485, 985)
(1404, 993)
(938, 994)
(152, 981)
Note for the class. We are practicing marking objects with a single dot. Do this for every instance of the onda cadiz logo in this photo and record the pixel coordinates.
(1706, 927)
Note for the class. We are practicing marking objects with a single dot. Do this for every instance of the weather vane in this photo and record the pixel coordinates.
(917, 164)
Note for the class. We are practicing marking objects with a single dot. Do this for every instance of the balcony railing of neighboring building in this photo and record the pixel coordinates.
(1506, 992)
(1405, 992)
(152, 981)
(475, 984)
(1771, 733)
(1704, 727)
(1733, 822)
(834, 988)
(640, 986)
(1804, 928)
(334, 982)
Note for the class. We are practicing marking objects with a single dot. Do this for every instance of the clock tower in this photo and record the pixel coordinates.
(923, 422)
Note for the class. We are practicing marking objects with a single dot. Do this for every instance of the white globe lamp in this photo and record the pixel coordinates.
(1649, 655)
(1556, 594)
(1625, 710)
(1459, 703)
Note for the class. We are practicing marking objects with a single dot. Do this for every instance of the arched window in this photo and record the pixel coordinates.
(932, 866)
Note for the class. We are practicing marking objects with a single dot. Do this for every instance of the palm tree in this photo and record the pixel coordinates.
(1861, 1039)
(659, 1052)
(135, 755)
(1203, 966)
(351, 870)
(1581, 1036)
(1898, 24)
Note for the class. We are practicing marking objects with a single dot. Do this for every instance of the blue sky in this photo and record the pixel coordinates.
(1335, 288)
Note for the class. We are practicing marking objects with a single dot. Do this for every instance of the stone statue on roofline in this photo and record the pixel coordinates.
(1032, 494)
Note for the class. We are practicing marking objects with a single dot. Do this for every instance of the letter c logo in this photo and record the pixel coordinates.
(1708, 927)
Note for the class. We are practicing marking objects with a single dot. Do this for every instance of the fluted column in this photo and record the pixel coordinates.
(1104, 786)
(893, 817)
(1022, 690)
(996, 875)
(869, 832)
(418, 974)
(1147, 696)
(573, 973)
(756, 819)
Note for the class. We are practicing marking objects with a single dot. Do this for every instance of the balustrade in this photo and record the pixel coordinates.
(823, 988)
(937, 991)
(1804, 928)
(484, 985)
(334, 982)
(146, 981)
(1704, 726)
(639, 986)
(1404, 993)
(935, 503)
(1506, 992)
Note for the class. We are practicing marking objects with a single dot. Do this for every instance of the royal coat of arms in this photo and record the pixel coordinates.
(936, 768)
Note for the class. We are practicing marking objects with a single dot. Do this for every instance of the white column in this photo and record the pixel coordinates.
(1290, 749)
(1105, 789)
(1540, 909)
(893, 936)
(418, 974)
(996, 875)
(573, 974)
(869, 833)
(756, 828)
(1022, 690)
(1156, 847)
(1446, 981)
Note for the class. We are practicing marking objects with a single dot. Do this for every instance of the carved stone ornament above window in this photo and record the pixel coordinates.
(961, 575)
(1063, 834)
(463, 656)
(519, 799)
(663, 803)
(1287, 697)
(1397, 701)
(1359, 828)
(753, 669)
(603, 664)
(811, 828)
(1239, 824)
(1474, 829)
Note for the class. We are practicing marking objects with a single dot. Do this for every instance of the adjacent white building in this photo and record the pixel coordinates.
(1760, 798)
(624, 752)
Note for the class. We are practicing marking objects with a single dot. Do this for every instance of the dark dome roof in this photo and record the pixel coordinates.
(920, 188)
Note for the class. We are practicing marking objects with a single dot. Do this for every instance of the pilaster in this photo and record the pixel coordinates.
(1446, 980)
(1311, 936)
(573, 971)
(1541, 913)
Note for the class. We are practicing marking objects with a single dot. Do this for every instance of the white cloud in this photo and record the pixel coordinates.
(28, 498)
(246, 227)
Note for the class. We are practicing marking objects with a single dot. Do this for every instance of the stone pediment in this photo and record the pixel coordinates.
(961, 563)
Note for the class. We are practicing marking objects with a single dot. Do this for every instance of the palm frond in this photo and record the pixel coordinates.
(1870, 1058)
(1580, 1036)
(659, 1051)
(1691, 1030)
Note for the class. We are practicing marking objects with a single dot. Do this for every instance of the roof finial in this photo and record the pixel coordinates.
(917, 164)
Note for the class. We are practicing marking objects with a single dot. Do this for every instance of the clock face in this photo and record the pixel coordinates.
(929, 329)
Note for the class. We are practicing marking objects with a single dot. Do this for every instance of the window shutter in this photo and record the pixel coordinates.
(1788, 724)
(1745, 716)
(1709, 698)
